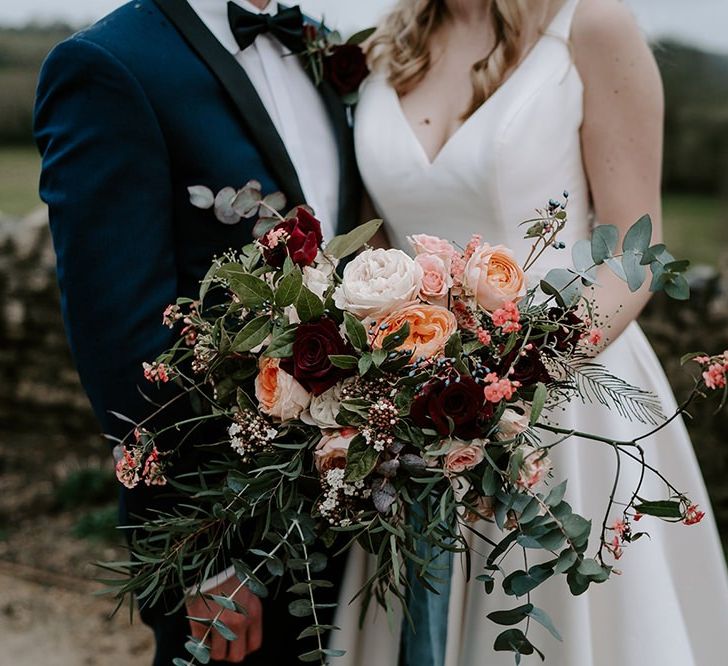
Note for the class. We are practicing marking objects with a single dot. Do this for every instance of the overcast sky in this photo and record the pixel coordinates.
(701, 22)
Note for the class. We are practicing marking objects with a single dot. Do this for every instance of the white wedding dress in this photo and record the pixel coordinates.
(521, 148)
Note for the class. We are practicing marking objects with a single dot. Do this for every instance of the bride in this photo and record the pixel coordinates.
(477, 113)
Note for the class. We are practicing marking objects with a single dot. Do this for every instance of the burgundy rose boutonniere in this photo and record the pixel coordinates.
(342, 64)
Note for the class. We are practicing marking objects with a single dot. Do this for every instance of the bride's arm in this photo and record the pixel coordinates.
(621, 135)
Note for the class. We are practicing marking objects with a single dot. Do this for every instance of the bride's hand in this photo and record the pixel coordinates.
(248, 628)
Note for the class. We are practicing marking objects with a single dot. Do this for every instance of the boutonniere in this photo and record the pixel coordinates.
(340, 63)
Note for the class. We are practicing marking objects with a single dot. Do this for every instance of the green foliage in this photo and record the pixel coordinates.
(342, 246)
(99, 524)
(86, 487)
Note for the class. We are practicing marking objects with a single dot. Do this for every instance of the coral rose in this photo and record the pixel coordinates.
(278, 393)
(493, 276)
(464, 455)
(430, 327)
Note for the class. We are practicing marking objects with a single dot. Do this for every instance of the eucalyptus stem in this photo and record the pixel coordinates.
(242, 584)
(610, 504)
(310, 591)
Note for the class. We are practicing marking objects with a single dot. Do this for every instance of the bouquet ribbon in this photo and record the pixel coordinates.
(424, 640)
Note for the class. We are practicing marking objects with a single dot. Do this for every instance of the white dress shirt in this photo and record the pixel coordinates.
(293, 103)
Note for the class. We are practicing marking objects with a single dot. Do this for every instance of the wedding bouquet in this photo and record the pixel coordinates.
(397, 404)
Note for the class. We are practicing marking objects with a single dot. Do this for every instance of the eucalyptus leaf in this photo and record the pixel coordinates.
(638, 236)
(634, 270)
(201, 196)
(198, 650)
(678, 288)
(545, 621)
(604, 242)
(563, 285)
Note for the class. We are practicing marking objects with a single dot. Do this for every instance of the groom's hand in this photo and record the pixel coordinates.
(248, 628)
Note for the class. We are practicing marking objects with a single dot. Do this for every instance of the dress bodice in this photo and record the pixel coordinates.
(518, 150)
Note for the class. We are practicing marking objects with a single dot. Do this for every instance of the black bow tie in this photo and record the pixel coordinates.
(286, 26)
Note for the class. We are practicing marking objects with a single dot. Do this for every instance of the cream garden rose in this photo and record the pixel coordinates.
(377, 282)
(279, 394)
(317, 277)
(494, 277)
(324, 408)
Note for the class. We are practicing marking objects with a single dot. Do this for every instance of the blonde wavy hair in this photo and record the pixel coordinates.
(401, 44)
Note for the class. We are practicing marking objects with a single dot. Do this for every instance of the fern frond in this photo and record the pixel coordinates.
(595, 384)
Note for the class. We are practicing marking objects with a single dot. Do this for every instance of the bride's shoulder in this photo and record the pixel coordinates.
(609, 47)
(607, 23)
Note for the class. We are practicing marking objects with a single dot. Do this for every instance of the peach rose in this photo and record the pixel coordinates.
(464, 455)
(430, 327)
(436, 278)
(278, 393)
(332, 450)
(424, 244)
(493, 277)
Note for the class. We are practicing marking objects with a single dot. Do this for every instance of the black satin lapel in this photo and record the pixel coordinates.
(235, 81)
(349, 181)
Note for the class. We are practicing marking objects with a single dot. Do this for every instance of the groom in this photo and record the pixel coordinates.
(156, 97)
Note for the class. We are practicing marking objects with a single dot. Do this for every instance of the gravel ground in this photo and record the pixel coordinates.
(46, 624)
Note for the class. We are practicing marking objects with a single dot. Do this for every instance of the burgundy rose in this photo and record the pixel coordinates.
(297, 237)
(310, 363)
(458, 403)
(345, 68)
(528, 369)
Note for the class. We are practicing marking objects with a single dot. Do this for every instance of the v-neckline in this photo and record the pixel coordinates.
(431, 162)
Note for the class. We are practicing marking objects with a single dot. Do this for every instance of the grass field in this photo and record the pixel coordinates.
(695, 225)
(19, 170)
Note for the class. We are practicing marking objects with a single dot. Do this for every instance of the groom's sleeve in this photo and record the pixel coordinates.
(106, 180)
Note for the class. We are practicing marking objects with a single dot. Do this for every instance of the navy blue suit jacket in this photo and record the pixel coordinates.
(130, 112)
